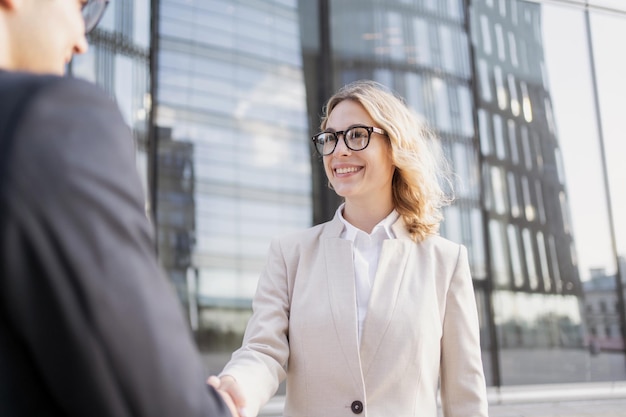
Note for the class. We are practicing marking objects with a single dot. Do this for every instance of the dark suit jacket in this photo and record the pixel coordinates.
(89, 325)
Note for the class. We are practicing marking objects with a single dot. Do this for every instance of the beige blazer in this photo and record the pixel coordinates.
(421, 325)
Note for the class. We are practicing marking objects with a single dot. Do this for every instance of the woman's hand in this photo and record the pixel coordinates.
(229, 389)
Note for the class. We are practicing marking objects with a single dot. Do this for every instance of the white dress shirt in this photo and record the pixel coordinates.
(366, 253)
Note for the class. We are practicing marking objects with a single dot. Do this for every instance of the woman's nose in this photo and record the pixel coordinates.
(342, 148)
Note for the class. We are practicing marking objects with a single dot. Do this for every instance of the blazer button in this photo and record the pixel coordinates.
(357, 407)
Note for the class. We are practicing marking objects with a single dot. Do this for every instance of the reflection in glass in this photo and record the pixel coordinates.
(476, 246)
(485, 132)
(527, 107)
(515, 104)
(512, 141)
(514, 202)
(513, 46)
(529, 208)
(498, 136)
(501, 92)
(540, 206)
(500, 260)
(541, 338)
(231, 92)
(610, 64)
(422, 42)
(486, 35)
(498, 185)
(530, 259)
(533, 241)
(543, 262)
(516, 256)
(119, 65)
(526, 148)
(442, 106)
(452, 226)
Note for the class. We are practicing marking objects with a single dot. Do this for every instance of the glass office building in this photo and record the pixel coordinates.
(536, 285)
(525, 97)
(118, 60)
(230, 86)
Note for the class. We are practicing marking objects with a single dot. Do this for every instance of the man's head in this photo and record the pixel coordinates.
(42, 35)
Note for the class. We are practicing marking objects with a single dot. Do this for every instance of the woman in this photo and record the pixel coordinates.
(368, 312)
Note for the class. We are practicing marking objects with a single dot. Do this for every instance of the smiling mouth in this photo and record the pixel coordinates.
(347, 170)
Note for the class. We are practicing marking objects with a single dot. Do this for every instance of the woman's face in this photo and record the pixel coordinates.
(364, 175)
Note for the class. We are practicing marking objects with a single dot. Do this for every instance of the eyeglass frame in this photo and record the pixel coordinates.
(94, 20)
(369, 129)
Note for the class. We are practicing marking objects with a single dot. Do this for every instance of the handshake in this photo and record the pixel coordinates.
(228, 388)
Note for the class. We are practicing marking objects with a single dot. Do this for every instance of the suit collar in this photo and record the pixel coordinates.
(383, 230)
(335, 227)
(400, 230)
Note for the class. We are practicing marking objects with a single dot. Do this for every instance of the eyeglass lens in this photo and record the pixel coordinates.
(356, 139)
(92, 13)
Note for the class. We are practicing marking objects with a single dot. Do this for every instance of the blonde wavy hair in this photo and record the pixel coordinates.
(421, 169)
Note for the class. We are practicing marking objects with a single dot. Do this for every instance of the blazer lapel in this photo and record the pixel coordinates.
(342, 295)
(384, 297)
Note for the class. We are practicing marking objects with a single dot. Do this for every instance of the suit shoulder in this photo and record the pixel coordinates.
(442, 245)
(14, 83)
(70, 108)
(18, 91)
(300, 237)
(32, 87)
(70, 130)
(77, 94)
(12, 80)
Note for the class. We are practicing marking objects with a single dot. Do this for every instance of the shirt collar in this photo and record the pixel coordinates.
(383, 228)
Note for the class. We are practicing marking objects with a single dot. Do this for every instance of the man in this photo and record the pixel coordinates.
(89, 326)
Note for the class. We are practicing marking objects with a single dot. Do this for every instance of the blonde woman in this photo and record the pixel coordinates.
(371, 311)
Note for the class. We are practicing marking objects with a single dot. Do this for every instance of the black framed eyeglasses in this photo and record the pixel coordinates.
(356, 138)
(92, 11)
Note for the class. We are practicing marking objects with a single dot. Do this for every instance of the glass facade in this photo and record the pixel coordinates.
(524, 95)
(118, 61)
(537, 288)
(233, 166)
